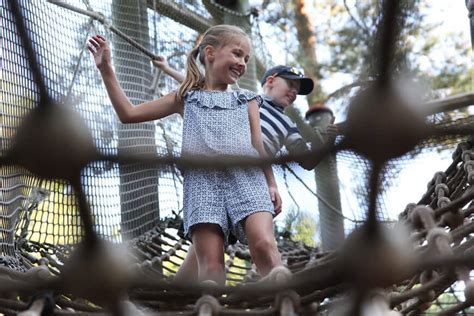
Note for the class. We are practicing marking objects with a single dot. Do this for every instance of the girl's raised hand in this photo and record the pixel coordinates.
(99, 48)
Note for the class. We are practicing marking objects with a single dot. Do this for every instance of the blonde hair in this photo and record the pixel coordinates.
(216, 36)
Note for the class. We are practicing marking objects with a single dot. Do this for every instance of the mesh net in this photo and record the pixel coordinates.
(126, 200)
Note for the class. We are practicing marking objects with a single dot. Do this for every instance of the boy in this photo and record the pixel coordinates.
(281, 84)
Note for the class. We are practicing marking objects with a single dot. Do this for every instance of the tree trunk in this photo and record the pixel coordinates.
(307, 56)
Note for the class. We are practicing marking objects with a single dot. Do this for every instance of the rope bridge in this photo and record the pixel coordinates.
(90, 227)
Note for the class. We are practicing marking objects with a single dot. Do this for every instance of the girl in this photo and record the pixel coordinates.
(216, 122)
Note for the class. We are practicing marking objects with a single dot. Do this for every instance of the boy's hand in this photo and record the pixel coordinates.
(161, 62)
(276, 199)
(99, 48)
(331, 131)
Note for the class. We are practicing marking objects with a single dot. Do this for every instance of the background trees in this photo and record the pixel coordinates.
(335, 39)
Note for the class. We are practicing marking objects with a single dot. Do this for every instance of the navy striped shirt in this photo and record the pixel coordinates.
(279, 130)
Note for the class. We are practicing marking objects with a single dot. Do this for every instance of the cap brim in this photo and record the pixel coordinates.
(306, 84)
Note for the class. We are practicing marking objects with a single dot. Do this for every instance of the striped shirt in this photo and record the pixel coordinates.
(279, 130)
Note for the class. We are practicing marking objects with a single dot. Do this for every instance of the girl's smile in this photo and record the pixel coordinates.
(229, 62)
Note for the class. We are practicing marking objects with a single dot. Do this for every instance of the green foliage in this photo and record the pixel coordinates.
(354, 41)
(354, 45)
(443, 301)
(301, 226)
(347, 33)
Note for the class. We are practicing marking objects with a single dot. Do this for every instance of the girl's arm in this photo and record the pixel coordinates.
(257, 142)
(162, 63)
(126, 111)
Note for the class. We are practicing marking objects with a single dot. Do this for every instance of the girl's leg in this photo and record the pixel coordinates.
(262, 244)
(188, 271)
(208, 242)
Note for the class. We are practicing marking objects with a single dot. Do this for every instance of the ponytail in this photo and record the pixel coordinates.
(194, 77)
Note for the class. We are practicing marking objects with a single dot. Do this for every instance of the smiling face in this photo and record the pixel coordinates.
(282, 91)
(227, 63)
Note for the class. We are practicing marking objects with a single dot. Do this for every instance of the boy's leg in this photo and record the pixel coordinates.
(208, 242)
(188, 271)
(261, 240)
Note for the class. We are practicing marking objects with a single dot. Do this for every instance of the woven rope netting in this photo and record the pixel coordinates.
(138, 204)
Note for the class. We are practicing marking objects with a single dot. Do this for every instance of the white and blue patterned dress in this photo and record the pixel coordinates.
(217, 123)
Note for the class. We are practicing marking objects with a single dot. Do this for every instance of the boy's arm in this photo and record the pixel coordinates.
(162, 64)
(257, 142)
(297, 146)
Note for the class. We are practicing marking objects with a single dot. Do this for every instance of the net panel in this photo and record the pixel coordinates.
(71, 75)
(19, 96)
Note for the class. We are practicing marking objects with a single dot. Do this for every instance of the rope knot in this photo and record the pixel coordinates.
(421, 217)
(287, 302)
(441, 239)
(441, 190)
(208, 305)
(443, 201)
(278, 276)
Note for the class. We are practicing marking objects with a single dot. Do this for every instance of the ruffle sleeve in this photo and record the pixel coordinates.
(244, 96)
(212, 99)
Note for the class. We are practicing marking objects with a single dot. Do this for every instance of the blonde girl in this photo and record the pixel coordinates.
(216, 122)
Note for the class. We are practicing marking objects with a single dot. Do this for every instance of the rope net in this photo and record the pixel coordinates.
(138, 205)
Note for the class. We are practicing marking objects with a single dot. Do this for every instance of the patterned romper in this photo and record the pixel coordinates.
(217, 123)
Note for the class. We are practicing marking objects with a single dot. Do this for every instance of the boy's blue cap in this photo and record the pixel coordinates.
(286, 72)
